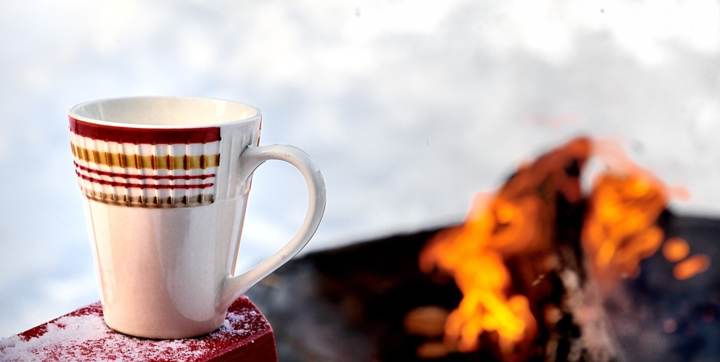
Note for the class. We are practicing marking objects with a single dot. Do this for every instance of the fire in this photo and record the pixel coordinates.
(619, 230)
(518, 218)
(472, 256)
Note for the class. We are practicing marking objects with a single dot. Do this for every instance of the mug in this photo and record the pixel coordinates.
(166, 183)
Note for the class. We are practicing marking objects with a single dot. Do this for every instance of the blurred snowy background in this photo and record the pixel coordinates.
(409, 107)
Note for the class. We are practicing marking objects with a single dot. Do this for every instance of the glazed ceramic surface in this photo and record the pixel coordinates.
(166, 181)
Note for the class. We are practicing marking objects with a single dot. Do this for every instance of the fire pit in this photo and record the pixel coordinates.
(539, 271)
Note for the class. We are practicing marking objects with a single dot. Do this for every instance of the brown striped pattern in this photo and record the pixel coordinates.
(151, 175)
(167, 162)
(150, 202)
(142, 176)
(143, 185)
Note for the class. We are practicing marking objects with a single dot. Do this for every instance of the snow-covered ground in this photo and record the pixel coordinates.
(409, 107)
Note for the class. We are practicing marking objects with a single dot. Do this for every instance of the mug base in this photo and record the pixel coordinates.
(166, 333)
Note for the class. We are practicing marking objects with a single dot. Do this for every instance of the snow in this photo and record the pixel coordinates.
(86, 337)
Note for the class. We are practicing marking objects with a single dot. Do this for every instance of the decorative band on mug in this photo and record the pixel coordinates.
(150, 201)
(170, 162)
(151, 136)
(122, 165)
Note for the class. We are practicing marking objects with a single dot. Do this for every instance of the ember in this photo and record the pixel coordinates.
(676, 249)
(690, 267)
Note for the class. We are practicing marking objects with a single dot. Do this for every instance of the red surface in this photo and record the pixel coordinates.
(82, 336)
(144, 135)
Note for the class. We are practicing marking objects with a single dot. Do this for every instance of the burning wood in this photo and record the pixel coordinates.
(520, 257)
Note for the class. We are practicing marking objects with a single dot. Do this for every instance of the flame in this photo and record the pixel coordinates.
(620, 229)
(470, 253)
(516, 219)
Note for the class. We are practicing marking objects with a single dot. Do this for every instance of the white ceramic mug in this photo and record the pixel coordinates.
(166, 181)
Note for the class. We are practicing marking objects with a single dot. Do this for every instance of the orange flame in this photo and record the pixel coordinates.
(619, 231)
(470, 253)
(518, 218)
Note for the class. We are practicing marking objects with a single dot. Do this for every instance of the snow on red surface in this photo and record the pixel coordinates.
(83, 336)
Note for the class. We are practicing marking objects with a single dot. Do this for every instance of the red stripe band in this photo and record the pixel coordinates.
(141, 177)
(151, 136)
(141, 186)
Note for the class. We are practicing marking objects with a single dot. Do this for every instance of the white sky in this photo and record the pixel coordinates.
(409, 107)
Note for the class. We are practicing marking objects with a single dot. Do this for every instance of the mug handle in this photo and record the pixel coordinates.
(251, 158)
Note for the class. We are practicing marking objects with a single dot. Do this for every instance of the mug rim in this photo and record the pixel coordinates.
(74, 113)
